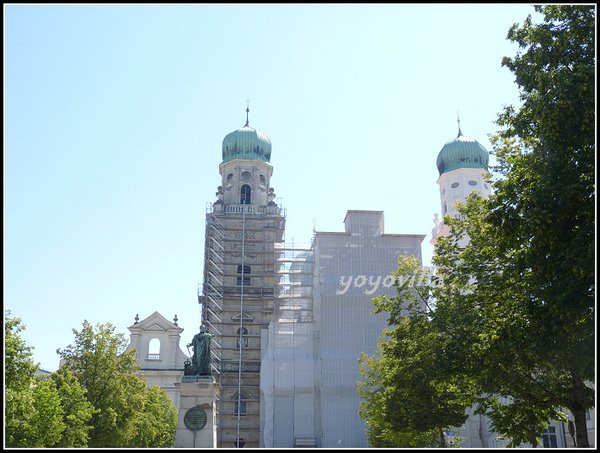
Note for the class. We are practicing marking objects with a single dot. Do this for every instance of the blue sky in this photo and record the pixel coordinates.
(114, 118)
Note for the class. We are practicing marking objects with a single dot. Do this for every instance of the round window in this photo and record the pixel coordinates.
(472, 183)
(229, 176)
(454, 185)
(246, 174)
(262, 179)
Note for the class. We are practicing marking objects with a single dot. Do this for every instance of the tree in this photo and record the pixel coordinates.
(46, 411)
(408, 397)
(77, 410)
(514, 312)
(482, 312)
(545, 198)
(527, 274)
(157, 423)
(96, 399)
(19, 371)
(19, 367)
(108, 372)
(47, 415)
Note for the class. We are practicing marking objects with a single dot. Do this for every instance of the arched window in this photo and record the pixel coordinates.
(246, 193)
(244, 337)
(240, 403)
(154, 349)
(244, 276)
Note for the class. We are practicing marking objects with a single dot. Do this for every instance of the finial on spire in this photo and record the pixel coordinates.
(458, 121)
(247, 110)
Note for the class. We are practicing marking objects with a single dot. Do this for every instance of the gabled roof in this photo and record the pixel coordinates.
(155, 322)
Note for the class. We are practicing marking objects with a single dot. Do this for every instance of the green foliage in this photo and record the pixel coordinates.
(19, 371)
(484, 313)
(77, 410)
(95, 400)
(17, 417)
(524, 284)
(19, 368)
(545, 200)
(157, 423)
(514, 321)
(127, 414)
(47, 415)
(408, 398)
(516, 419)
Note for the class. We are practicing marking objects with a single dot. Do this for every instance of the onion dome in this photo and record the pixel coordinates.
(301, 270)
(246, 143)
(462, 152)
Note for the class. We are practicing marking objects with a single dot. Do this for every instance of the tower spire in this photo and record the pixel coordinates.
(247, 110)
(458, 121)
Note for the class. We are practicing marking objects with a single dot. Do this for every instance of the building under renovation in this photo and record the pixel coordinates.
(324, 321)
(290, 322)
(238, 298)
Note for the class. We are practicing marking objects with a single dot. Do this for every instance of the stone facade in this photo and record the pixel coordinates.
(156, 342)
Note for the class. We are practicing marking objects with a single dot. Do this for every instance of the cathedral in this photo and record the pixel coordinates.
(287, 323)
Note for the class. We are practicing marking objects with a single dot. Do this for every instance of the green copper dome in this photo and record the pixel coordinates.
(462, 152)
(301, 271)
(246, 143)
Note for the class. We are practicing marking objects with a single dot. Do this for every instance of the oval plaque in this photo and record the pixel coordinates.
(195, 419)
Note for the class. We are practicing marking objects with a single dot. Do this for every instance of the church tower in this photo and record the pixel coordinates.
(242, 227)
(462, 164)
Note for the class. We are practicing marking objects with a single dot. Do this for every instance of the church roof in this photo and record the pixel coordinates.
(155, 322)
(246, 143)
(462, 152)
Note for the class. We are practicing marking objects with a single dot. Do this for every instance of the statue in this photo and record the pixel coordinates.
(201, 356)
(271, 197)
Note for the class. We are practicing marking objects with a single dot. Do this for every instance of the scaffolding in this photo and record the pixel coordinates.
(237, 304)
(214, 278)
(287, 379)
(295, 265)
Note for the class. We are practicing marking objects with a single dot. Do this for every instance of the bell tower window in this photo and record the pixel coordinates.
(245, 194)
(154, 349)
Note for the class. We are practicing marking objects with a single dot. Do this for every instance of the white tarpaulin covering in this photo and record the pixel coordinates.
(323, 322)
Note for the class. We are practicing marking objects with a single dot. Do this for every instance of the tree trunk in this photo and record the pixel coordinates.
(578, 411)
(442, 439)
(581, 436)
(533, 440)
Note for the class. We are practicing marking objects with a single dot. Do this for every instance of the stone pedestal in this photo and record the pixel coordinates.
(196, 423)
